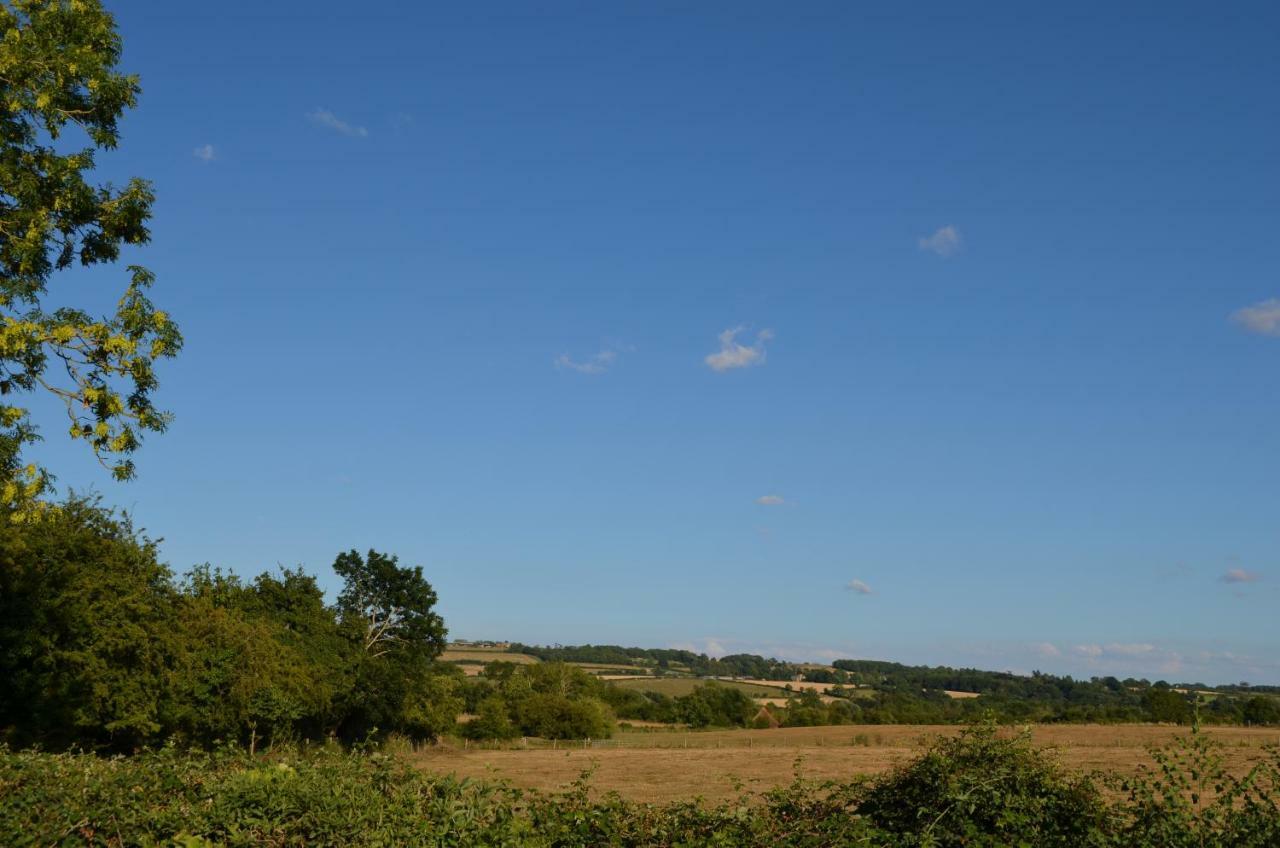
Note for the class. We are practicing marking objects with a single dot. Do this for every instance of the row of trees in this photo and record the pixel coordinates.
(662, 660)
(101, 647)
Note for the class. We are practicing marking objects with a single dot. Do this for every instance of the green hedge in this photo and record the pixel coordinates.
(981, 789)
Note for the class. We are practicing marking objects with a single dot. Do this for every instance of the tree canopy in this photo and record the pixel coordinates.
(61, 99)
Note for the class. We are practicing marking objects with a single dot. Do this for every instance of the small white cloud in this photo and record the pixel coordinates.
(734, 354)
(204, 153)
(1046, 650)
(1240, 575)
(770, 500)
(944, 242)
(597, 364)
(1088, 650)
(859, 587)
(1261, 318)
(325, 118)
(1128, 649)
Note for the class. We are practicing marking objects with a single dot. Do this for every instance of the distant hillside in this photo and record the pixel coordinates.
(889, 692)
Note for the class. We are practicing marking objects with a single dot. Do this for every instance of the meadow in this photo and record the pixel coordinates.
(661, 766)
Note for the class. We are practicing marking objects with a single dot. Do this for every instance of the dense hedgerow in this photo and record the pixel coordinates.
(981, 789)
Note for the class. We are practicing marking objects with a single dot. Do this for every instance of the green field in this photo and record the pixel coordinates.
(676, 686)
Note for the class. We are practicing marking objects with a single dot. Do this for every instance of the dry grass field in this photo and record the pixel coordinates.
(666, 766)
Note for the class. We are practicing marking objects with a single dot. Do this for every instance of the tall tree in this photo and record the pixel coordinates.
(61, 97)
(387, 607)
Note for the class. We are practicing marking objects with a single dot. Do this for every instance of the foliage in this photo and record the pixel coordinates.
(58, 72)
(551, 700)
(892, 693)
(87, 619)
(389, 606)
(981, 789)
(1189, 798)
(101, 648)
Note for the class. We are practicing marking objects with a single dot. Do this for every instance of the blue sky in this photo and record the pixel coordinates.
(661, 324)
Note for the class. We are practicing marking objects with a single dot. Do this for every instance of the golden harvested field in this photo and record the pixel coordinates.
(666, 766)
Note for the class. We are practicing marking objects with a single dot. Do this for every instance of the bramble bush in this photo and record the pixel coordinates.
(983, 788)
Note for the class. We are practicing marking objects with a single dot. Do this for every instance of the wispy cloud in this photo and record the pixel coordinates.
(1046, 649)
(859, 587)
(1262, 318)
(770, 500)
(1129, 649)
(1240, 575)
(325, 118)
(596, 364)
(734, 354)
(945, 241)
(1126, 650)
(205, 153)
(711, 646)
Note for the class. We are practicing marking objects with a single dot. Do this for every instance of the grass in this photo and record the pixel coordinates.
(656, 766)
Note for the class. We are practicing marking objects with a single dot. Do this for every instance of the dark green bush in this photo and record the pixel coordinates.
(982, 788)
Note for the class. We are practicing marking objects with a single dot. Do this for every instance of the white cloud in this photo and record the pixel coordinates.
(859, 587)
(1114, 650)
(1262, 318)
(597, 364)
(1046, 650)
(711, 646)
(770, 500)
(734, 354)
(1240, 575)
(204, 153)
(1128, 649)
(945, 241)
(325, 118)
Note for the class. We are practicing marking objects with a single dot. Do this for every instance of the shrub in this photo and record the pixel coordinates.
(984, 789)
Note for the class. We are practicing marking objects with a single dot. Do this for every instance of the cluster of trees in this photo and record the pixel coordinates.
(551, 700)
(101, 647)
(556, 700)
(662, 660)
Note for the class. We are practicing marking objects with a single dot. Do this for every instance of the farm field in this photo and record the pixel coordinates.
(677, 686)
(669, 766)
(484, 655)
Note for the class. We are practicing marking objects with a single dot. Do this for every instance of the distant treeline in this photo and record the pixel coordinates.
(891, 693)
(662, 660)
